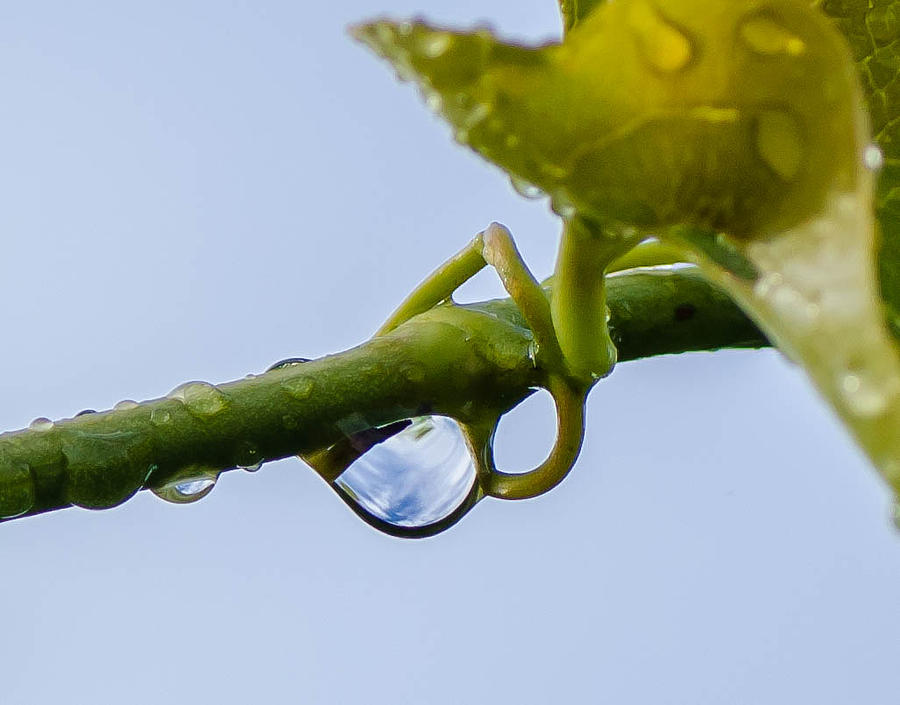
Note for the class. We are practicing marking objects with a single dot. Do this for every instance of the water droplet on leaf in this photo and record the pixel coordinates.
(662, 44)
(873, 158)
(524, 188)
(160, 416)
(765, 36)
(779, 143)
(415, 478)
(125, 405)
(298, 387)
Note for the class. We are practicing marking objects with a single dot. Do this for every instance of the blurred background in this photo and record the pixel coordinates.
(194, 190)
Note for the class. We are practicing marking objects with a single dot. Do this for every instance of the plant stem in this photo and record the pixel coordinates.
(450, 360)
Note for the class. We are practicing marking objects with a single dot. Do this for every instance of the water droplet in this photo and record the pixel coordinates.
(41, 423)
(85, 412)
(524, 188)
(160, 416)
(415, 478)
(662, 44)
(873, 158)
(435, 44)
(188, 486)
(248, 457)
(862, 395)
(16, 488)
(288, 362)
(434, 102)
(200, 398)
(779, 143)
(125, 405)
(290, 422)
(765, 36)
(298, 387)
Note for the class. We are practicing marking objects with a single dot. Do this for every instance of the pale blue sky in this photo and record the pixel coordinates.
(193, 190)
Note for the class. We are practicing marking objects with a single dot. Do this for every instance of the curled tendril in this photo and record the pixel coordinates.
(733, 130)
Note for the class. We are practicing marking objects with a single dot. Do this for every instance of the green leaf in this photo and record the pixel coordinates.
(873, 32)
(573, 11)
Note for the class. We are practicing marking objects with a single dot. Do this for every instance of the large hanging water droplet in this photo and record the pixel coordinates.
(200, 398)
(415, 478)
(188, 486)
(41, 423)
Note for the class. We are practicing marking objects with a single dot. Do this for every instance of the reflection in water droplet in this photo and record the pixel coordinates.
(288, 362)
(248, 457)
(663, 46)
(41, 423)
(189, 486)
(779, 143)
(16, 488)
(524, 188)
(766, 36)
(414, 478)
(200, 398)
(873, 158)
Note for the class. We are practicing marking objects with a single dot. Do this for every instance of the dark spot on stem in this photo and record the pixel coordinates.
(685, 312)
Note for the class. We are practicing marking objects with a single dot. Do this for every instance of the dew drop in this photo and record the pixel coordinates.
(765, 36)
(16, 488)
(862, 396)
(873, 158)
(414, 478)
(85, 412)
(779, 143)
(434, 45)
(298, 387)
(200, 398)
(248, 457)
(663, 46)
(524, 188)
(160, 416)
(288, 362)
(125, 405)
(41, 423)
(189, 486)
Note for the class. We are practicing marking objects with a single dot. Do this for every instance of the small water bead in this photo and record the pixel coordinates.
(17, 491)
(434, 45)
(248, 457)
(765, 36)
(524, 188)
(42, 423)
(414, 478)
(779, 143)
(189, 486)
(662, 44)
(85, 412)
(873, 158)
(200, 398)
(862, 395)
(125, 405)
(299, 387)
(160, 416)
(288, 362)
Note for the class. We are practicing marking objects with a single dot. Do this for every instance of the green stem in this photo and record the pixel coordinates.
(447, 360)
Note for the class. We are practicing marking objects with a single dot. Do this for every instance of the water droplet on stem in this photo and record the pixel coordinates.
(414, 478)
